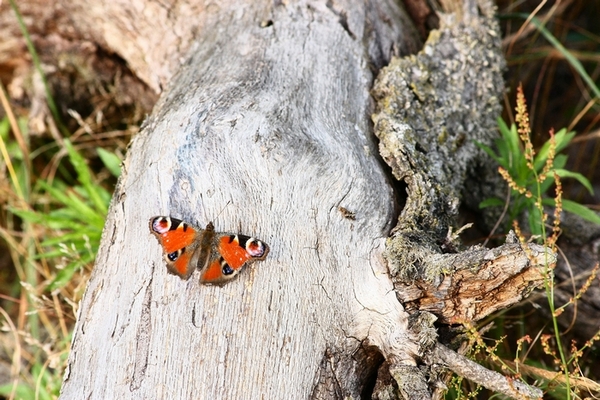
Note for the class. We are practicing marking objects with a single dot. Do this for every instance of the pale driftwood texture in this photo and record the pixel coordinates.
(270, 113)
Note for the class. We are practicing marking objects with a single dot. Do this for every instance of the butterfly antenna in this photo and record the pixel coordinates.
(223, 209)
(220, 212)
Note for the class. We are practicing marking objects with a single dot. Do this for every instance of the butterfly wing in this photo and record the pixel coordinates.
(178, 241)
(230, 254)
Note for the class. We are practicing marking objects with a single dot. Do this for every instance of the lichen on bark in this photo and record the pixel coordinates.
(431, 108)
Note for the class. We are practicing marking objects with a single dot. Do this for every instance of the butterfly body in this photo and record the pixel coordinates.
(218, 256)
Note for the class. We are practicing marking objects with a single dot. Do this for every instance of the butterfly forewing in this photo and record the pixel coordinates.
(177, 240)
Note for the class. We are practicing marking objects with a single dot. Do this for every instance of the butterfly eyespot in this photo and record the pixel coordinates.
(174, 255)
(161, 225)
(255, 248)
(227, 270)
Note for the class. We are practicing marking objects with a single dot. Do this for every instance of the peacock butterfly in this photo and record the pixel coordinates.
(218, 256)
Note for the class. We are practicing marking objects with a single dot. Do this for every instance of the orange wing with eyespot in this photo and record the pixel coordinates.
(232, 253)
(178, 241)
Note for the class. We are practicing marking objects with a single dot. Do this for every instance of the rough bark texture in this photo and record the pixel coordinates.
(477, 282)
(431, 108)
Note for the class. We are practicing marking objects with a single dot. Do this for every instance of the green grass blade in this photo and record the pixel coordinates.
(576, 208)
(63, 276)
(563, 173)
(77, 238)
(562, 140)
(22, 391)
(560, 161)
(491, 202)
(81, 210)
(575, 63)
(85, 178)
(49, 221)
(110, 161)
(512, 140)
(489, 151)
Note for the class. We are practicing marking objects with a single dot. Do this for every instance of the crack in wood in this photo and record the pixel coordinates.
(142, 348)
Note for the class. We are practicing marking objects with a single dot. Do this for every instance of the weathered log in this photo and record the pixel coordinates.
(269, 113)
(264, 127)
